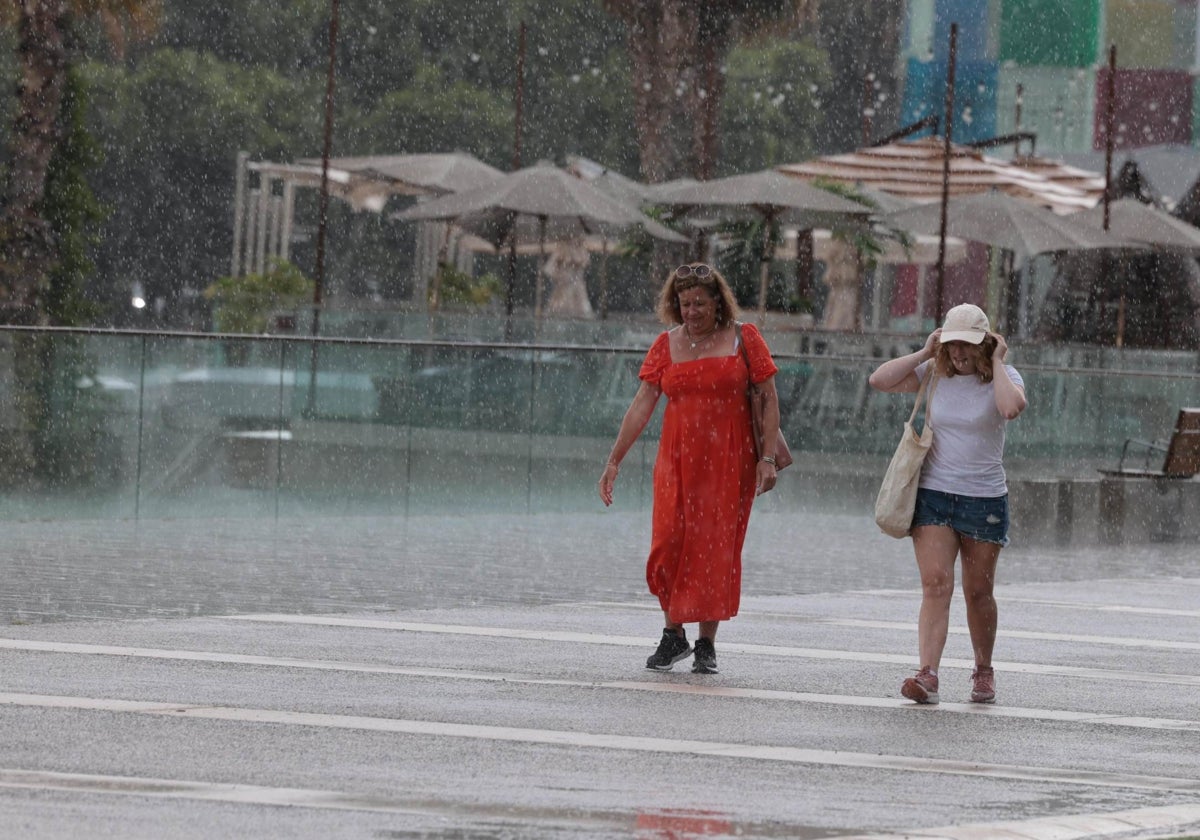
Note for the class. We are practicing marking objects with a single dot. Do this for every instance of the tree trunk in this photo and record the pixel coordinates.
(27, 248)
(659, 43)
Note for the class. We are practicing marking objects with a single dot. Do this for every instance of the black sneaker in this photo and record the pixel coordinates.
(706, 657)
(673, 647)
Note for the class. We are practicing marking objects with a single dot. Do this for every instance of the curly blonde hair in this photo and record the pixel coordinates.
(715, 284)
(983, 359)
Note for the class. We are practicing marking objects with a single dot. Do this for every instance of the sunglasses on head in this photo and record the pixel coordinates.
(693, 271)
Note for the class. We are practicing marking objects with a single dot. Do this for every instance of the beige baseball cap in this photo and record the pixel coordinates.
(965, 322)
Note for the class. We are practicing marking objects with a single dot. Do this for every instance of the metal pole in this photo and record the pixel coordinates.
(1109, 120)
(519, 107)
(1017, 109)
(941, 263)
(323, 213)
(865, 107)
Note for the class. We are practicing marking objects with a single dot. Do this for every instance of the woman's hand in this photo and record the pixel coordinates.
(931, 343)
(607, 479)
(1001, 351)
(766, 477)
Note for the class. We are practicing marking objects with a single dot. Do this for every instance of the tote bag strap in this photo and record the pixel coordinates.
(925, 392)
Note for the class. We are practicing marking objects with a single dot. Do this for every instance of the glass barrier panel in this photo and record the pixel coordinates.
(69, 409)
(104, 425)
(209, 405)
(580, 398)
(346, 446)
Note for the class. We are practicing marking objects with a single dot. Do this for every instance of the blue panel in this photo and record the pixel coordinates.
(973, 26)
(975, 84)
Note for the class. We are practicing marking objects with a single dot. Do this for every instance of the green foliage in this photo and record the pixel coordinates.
(740, 261)
(459, 287)
(172, 126)
(411, 76)
(71, 209)
(245, 304)
(770, 113)
(64, 441)
(432, 116)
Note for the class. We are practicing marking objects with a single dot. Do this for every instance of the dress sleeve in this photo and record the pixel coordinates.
(762, 366)
(658, 357)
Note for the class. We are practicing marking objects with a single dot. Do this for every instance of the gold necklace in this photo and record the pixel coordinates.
(698, 341)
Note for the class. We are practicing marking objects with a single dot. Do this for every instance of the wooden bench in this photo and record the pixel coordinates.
(1180, 462)
(1180, 456)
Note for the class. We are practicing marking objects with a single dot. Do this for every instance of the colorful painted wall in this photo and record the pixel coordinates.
(1054, 53)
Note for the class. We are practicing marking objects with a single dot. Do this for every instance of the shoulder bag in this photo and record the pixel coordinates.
(783, 455)
(897, 499)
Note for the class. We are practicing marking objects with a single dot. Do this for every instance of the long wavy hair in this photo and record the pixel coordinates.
(983, 359)
(715, 284)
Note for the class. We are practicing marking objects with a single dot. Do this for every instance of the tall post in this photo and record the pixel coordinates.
(519, 105)
(1110, 113)
(949, 131)
(867, 108)
(323, 212)
(1018, 102)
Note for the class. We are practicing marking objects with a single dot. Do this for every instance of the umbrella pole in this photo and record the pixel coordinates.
(512, 282)
(443, 255)
(537, 282)
(604, 279)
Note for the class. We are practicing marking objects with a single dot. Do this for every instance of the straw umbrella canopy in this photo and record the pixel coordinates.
(913, 169)
(772, 196)
(542, 201)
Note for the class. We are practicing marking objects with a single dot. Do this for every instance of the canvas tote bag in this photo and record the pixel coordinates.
(897, 497)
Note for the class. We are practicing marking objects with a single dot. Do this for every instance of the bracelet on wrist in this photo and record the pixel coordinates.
(769, 459)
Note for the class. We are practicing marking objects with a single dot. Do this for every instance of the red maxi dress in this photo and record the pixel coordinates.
(704, 478)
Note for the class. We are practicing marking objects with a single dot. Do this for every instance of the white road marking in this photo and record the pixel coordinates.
(207, 791)
(1061, 715)
(1117, 641)
(1066, 827)
(624, 743)
(1081, 606)
(733, 647)
(1070, 827)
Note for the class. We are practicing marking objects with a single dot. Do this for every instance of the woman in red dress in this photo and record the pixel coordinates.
(707, 474)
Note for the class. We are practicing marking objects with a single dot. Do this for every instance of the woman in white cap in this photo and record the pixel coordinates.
(962, 500)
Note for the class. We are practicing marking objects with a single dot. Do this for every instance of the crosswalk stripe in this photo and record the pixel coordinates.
(1065, 827)
(1101, 674)
(624, 743)
(1061, 715)
(1070, 827)
(1116, 641)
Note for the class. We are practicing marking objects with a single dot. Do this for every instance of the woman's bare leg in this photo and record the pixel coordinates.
(936, 547)
(978, 584)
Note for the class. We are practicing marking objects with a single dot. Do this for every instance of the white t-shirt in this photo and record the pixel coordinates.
(967, 456)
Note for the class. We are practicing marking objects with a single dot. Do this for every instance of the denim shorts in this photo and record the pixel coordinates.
(979, 518)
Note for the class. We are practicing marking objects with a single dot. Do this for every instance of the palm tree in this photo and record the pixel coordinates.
(45, 52)
(676, 49)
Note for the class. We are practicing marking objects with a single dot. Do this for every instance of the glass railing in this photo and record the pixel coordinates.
(106, 424)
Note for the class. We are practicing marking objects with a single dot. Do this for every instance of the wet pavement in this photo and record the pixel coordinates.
(480, 677)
